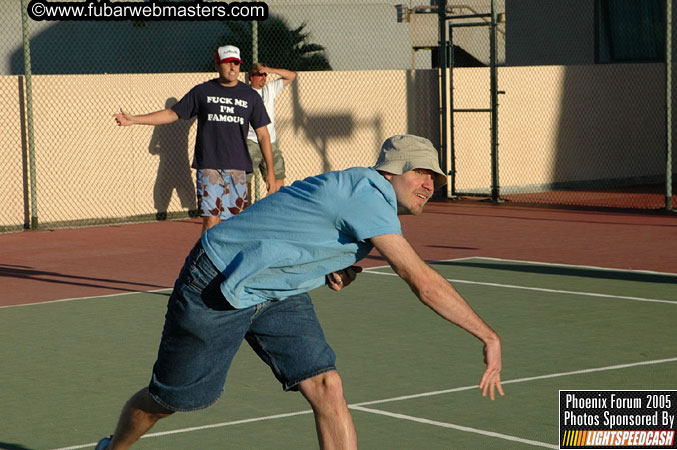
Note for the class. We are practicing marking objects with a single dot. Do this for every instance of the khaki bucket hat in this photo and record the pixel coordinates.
(405, 152)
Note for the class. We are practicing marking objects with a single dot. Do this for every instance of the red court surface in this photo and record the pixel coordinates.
(649, 197)
(73, 263)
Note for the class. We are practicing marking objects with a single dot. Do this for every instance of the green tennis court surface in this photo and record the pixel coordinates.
(66, 368)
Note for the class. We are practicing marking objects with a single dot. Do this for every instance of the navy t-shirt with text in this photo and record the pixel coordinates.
(224, 115)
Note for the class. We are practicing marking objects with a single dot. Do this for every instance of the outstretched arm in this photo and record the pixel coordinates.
(287, 75)
(161, 117)
(436, 292)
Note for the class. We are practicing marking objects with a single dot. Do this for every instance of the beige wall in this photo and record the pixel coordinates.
(331, 121)
(11, 153)
(556, 124)
(89, 168)
(561, 125)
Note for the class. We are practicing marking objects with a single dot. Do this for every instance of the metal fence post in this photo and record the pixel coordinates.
(668, 105)
(29, 116)
(255, 185)
(494, 105)
(452, 152)
(442, 59)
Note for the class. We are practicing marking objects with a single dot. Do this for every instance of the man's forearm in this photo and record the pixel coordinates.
(287, 75)
(161, 117)
(446, 301)
(430, 287)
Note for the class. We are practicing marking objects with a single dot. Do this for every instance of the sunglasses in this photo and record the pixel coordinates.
(259, 74)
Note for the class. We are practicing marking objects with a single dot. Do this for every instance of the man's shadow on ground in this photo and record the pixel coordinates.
(170, 143)
(10, 446)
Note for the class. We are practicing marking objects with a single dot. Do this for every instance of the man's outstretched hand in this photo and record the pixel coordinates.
(491, 378)
(123, 118)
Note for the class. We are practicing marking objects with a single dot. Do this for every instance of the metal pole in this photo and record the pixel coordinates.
(255, 42)
(29, 117)
(452, 153)
(668, 104)
(494, 105)
(442, 58)
(256, 195)
(412, 24)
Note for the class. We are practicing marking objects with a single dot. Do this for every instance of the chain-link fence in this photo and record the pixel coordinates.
(578, 124)
(581, 103)
(88, 171)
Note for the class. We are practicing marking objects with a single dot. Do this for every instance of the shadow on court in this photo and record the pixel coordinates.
(27, 273)
(9, 446)
(559, 219)
(567, 271)
(454, 247)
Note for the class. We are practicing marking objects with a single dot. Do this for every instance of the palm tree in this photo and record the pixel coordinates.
(278, 45)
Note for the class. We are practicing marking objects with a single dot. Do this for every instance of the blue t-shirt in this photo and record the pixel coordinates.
(223, 118)
(286, 243)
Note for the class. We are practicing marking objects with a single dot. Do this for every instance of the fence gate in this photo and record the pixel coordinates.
(459, 18)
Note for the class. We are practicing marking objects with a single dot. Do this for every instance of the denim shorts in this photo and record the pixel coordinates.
(221, 193)
(202, 333)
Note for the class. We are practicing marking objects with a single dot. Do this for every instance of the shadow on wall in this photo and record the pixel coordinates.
(85, 47)
(619, 139)
(319, 129)
(170, 143)
(423, 117)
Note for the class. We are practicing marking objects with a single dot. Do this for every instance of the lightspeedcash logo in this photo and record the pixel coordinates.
(106, 10)
(619, 438)
(617, 419)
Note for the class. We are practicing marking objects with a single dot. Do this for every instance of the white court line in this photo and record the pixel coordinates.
(519, 380)
(372, 270)
(432, 261)
(87, 298)
(203, 427)
(555, 291)
(455, 427)
(361, 405)
(538, 263)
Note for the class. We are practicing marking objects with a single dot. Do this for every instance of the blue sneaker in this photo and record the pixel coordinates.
(103, 443)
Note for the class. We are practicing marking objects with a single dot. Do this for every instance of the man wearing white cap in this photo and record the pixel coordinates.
(248, 278)
(225, 108)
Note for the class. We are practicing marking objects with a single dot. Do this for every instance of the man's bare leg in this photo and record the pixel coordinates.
(334, 423)
(139, 414)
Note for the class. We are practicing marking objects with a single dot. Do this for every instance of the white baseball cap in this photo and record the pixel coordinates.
(228, 53)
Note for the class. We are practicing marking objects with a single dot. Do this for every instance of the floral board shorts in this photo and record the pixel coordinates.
(221, 192)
